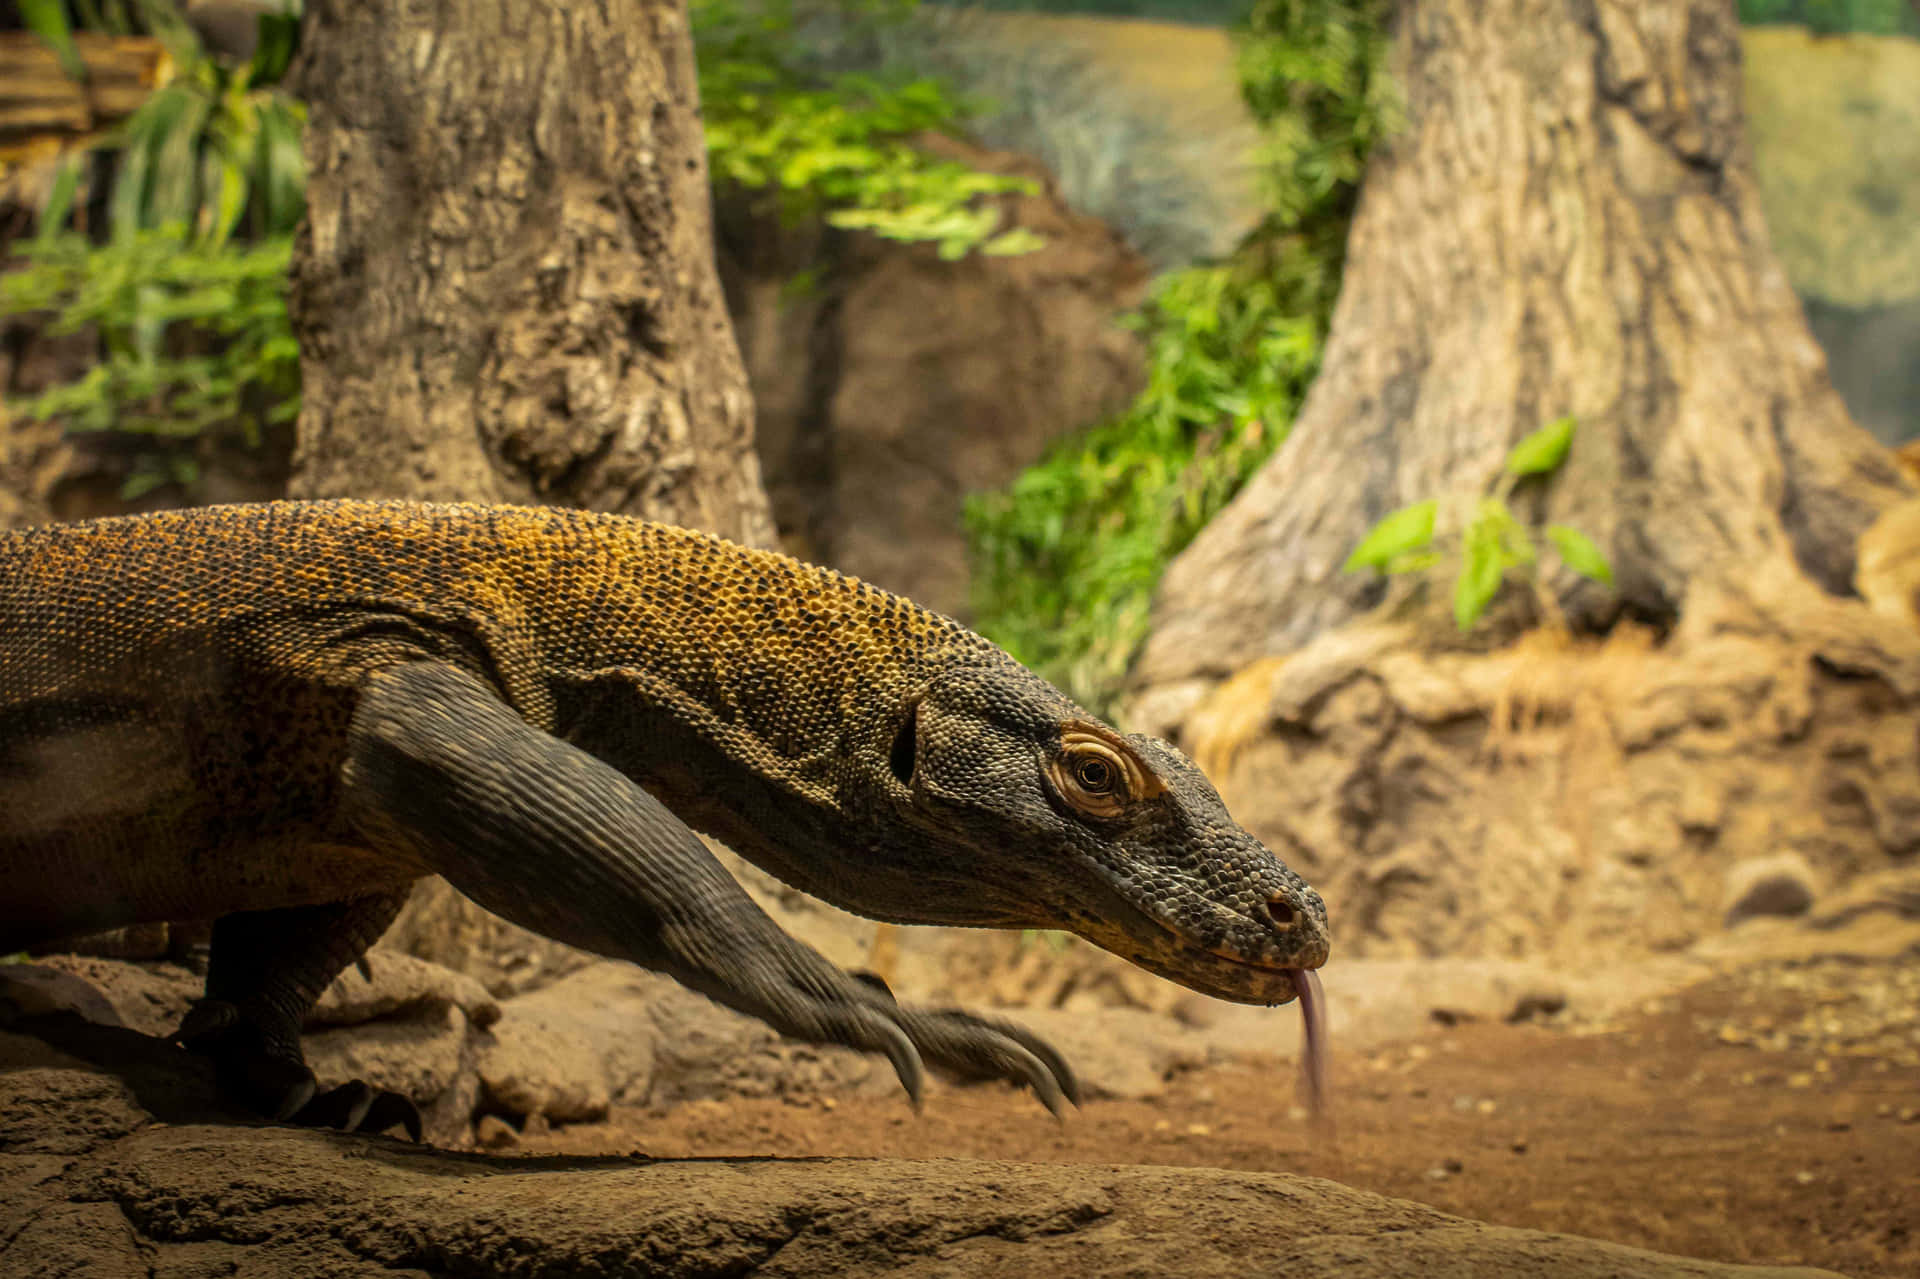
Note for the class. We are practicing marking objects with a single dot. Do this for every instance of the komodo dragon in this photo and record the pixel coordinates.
(280, 716)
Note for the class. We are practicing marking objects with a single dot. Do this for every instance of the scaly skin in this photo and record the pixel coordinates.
(309, 705)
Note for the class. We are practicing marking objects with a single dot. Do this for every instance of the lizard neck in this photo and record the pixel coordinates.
(706, 668)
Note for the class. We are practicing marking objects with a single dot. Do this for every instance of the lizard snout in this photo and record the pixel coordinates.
(1299, 918)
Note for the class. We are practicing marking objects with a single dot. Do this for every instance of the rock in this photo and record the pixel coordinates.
(1568, 799)
(541, 1065)
(494, 1133)
(397, 983)
(1120, 1052)
(189, 1196)
(1781, 884)
(36, 990)
(148, 997)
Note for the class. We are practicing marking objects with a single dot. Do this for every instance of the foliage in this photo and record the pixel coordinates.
(1066, 558)
(1836, 17)
(191, 322)
(187, 294)
(193, 336)
(1482, 533)
(838, 143)
(216, 148)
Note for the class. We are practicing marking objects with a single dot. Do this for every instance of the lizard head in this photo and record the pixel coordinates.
(1117, 837)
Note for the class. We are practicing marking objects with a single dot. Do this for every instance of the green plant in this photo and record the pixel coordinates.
(187, 293)
(1067, 557)
(839, 144)
(193, 335)
(215, 149)
(1836, 17)
(1481, 533)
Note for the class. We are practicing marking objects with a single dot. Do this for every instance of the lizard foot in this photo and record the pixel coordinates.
(258, 1070)
(857, 1009)
(977, 1048)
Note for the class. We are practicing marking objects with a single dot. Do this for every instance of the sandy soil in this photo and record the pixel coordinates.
(1770, 1116)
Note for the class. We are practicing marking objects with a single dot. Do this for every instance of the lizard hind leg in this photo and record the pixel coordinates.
(265, 970)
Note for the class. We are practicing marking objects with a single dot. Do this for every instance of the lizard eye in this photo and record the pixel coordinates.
(1094, 774)
(1097, 774)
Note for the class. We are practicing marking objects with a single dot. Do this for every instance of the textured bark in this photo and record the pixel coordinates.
(1567, 223)
(505, 288)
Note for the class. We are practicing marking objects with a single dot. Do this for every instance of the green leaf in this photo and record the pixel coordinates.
(66, 183)
(279, 37)
(1543, 450)
(1414, 562)
(1479, 579)
(1407, 529)
(1012, 243)
(1579, 553)
(48, 20)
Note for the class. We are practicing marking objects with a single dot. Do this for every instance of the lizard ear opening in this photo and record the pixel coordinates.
(906, 744)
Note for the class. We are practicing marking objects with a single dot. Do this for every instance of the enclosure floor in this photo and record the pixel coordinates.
(1670, 1130)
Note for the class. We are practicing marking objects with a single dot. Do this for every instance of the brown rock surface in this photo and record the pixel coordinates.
(1570, 800)
(94, 1187)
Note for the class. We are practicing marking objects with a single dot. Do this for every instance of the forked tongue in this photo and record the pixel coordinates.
(1313, 1052)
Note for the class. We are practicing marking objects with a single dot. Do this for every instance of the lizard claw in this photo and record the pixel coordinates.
(982, 1049)
(357, 1106)
(862, 1013)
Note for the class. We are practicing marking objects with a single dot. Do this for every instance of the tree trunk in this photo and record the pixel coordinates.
(505, 287)
(1567, 224)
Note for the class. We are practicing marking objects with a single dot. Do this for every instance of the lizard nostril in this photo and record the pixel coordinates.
(1282, 912)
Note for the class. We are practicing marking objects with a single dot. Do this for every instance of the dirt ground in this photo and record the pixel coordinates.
(1767, 1116)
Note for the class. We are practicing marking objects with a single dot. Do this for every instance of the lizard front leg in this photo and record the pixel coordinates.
(441, 771)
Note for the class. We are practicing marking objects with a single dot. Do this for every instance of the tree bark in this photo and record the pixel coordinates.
(1567, 223)
(505, 288)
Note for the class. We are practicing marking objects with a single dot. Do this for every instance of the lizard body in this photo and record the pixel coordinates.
(283, 714)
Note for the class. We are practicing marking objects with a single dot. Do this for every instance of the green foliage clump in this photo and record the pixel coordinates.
(838, 144)
(1835, 17)
(1067, 557)
(184, 284)
(1481, 535)
(193, 338)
